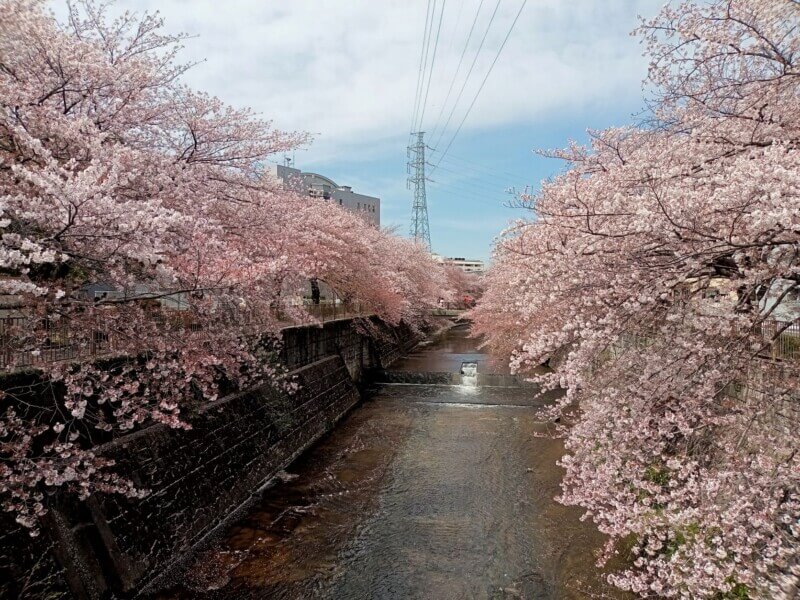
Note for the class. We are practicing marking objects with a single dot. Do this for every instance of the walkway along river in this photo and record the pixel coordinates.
(433, 488)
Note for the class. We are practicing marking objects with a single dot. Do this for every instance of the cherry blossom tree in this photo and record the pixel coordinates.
(649, 278)
(464, 284)
(113, 172)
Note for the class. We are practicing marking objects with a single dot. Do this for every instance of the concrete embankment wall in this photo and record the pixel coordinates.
(199, 480)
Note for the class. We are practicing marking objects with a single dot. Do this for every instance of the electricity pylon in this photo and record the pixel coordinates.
(420, 229)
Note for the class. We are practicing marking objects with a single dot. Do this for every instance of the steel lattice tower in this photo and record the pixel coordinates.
(420, 229)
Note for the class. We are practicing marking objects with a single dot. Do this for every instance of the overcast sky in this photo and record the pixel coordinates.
(346, 71)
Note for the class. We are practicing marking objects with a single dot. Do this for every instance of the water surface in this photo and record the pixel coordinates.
(423, 491)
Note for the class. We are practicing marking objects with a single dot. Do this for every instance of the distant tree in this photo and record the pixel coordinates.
(463, 283)
(644, 277)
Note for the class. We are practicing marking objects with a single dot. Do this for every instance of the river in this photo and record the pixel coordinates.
(424, 491)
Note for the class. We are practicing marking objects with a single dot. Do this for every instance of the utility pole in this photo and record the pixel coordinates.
(420, 230)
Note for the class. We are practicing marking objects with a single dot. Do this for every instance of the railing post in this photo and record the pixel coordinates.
(92, 336)
(4, 340)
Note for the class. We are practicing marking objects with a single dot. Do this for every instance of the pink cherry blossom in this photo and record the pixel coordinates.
(649, 276)
(114, 172)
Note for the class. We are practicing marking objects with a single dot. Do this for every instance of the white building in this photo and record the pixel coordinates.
(319, 186)
(467, 265)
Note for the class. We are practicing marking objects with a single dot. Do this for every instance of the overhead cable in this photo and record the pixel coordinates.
(433, 62)
(458, 69)
(469, 73)
(483, 83)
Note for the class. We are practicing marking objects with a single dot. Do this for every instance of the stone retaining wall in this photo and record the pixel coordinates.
(200, 479)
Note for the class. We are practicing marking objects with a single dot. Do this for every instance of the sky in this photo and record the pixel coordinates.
(347, 72)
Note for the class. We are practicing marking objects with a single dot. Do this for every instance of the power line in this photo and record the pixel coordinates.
(473, 198)
(466, 79)
(473, 184)
(420, 77)
(458, 68)
(489, 72)
(424, 67)
(433, 61)
(480, 180)
(455, 26)
(475, 176)
(467, 187)
(464, 163)
(490, 199)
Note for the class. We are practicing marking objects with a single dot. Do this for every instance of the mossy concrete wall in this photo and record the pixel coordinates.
(199, 479)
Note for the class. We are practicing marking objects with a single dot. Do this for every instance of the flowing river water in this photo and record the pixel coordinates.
(425, 491)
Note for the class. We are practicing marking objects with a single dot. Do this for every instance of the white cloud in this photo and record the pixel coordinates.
(346, 70)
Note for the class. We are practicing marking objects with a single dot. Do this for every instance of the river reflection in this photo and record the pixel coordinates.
(424, 491)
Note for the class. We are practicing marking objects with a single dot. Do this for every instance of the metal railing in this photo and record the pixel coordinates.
(331, 310)
(450, 309)
(30, 342)
(786, 345)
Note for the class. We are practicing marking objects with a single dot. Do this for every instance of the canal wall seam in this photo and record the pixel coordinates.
(200, 480)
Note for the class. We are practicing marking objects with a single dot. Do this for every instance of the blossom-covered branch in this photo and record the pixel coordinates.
(113, 173)
(650, 278)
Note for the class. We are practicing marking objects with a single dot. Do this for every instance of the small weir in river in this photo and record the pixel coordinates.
(435, 487)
